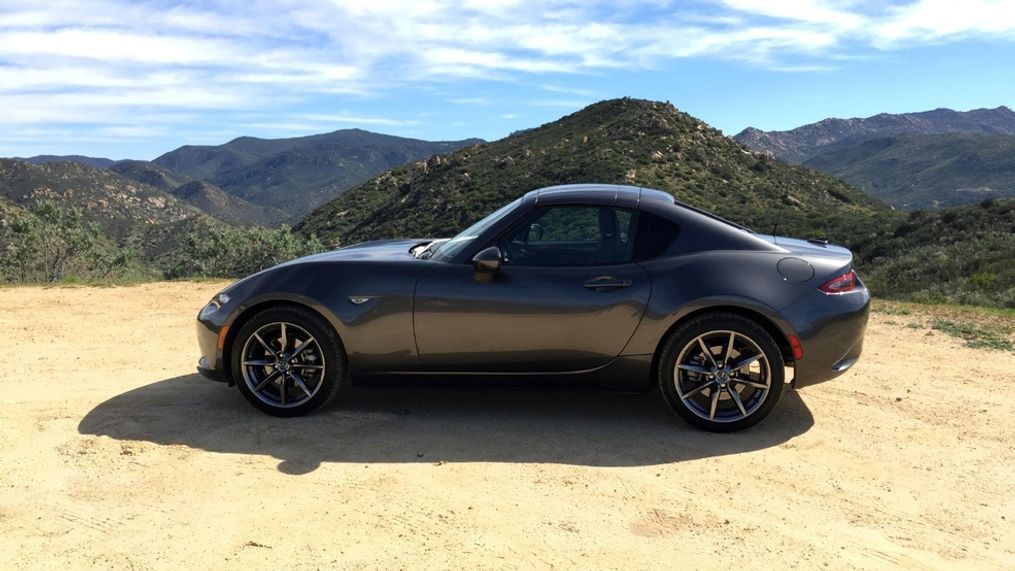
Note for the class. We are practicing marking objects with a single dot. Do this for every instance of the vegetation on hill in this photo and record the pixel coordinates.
(121, 207)
(624, 141)
(63, 220)
(961, 255)
(926, 171)
(47, 243)
(226, 207)
(149, 173)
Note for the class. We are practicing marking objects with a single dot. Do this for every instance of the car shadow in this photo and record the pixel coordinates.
(433, 425)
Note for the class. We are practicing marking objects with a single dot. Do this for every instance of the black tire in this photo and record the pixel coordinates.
(284, 396)
(708, 400)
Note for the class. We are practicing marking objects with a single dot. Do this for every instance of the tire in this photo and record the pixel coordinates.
(714, 395)
(306, 374)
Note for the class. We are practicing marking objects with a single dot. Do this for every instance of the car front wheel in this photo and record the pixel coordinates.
(287, 361)
(722, 372)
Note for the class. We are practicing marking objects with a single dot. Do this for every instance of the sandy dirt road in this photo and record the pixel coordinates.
(115, 455)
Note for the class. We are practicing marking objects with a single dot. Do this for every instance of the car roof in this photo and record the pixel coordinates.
(618, 194)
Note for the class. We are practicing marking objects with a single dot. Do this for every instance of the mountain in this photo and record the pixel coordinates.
(798, 145)
(124, 208)
(98, 162)
(297, 174)
(203, 195)
(149, 173)
(926, 171)
(625, 141)
(226, 207)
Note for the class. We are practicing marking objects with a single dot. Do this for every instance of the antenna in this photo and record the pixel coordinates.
(778, 219)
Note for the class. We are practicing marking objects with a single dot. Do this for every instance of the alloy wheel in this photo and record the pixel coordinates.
(282, 365)
(722, 376)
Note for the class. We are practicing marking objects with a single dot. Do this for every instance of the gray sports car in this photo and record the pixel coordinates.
(589, 286)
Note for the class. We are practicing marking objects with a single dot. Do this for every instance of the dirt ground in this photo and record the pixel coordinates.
(116, 455)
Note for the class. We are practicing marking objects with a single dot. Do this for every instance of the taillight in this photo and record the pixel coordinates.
(845, 283)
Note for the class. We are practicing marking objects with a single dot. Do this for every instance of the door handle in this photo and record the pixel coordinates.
(605, 282)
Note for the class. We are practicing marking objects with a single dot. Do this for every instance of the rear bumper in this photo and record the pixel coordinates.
(831, 331)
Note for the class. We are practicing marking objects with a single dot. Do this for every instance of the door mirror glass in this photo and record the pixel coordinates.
(487, 262)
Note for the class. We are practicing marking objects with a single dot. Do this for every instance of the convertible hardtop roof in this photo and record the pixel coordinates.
(621, 195)
(600, 193)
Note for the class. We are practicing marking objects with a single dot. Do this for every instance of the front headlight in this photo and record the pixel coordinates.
(219, 300)
(214, 305)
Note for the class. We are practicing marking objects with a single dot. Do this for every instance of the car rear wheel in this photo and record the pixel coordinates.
(287, 361)
(722, 372)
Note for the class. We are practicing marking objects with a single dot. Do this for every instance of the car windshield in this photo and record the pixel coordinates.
(452, 247)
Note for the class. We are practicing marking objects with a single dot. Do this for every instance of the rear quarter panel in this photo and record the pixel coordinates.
(685, 284)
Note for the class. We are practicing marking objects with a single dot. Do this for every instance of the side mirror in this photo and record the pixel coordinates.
(487, 262)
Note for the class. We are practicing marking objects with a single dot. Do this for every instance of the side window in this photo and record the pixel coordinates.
(571, 236)
(656, 235)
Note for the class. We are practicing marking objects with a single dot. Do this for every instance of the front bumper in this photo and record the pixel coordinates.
(211, 364)
(210, 373)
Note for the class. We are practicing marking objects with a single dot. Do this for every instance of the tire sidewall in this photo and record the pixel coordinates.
(711, 322)
(331, 349)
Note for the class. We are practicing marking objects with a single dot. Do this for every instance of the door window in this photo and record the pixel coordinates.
(571, 236)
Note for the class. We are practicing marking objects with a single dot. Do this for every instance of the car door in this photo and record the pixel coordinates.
(567, 297)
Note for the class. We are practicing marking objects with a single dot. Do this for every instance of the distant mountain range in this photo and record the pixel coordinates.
(98, 162)
(798, 145)
(266, 181)
(295, 175)
(911, 160)
(926, 171)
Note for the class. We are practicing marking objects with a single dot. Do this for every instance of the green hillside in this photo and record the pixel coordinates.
(960, 255)
(624, 141)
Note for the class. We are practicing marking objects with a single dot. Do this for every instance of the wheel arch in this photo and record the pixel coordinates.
(247, 313)
(777, 333)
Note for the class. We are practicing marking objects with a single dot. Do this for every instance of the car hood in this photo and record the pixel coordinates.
(375, 250)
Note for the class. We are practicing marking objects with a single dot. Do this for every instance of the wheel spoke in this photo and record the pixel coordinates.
(299, 381)
(715, 403)
(259, 363)
(281, 390)
(695, 368)
(284, 339)
(729, 349)
(707, 351)
(267, 380)
(307, 366)
(736, 398)
(746, 361)
(302, 346)
(751, 384)
(695, 391)
(265, 345)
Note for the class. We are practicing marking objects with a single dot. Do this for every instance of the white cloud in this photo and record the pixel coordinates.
(935, 20)
(107, 61)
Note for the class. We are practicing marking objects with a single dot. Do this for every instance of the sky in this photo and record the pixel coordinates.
(134, 79)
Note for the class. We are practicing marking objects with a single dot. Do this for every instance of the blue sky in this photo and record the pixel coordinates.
(135, 79)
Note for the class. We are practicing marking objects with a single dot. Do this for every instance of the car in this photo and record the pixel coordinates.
(576, 286)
